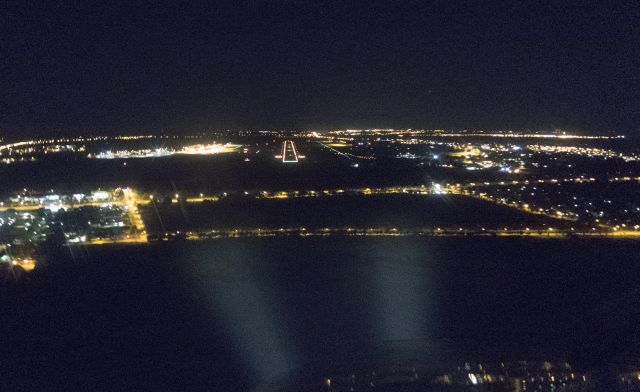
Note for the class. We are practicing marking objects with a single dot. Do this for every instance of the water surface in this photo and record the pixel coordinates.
(237, 313)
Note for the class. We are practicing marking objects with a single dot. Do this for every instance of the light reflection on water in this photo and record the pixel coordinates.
(241, 299)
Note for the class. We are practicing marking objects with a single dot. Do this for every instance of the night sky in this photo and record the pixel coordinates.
(181, 67)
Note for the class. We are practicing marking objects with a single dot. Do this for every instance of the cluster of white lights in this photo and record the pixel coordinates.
(196, 149)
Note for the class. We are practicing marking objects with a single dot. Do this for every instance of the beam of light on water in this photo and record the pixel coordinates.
(249, 313)
(401, 290)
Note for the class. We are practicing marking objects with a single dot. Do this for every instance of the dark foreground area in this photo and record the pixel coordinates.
(239, 314)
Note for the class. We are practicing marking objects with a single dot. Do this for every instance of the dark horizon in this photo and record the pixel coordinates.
(182, 68)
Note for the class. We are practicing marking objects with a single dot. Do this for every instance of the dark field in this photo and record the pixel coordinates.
(211, 173)
(400, 211)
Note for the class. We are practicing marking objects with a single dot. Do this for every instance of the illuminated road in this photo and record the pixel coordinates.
(340, 153)
(452, 188)
(107, 241)
(391, 232)
(139, 234)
